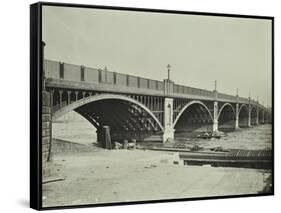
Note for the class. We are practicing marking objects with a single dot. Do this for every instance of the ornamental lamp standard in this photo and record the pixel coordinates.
(215, 85)
(168, 67)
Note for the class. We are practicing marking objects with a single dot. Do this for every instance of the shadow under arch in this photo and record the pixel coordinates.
(261, 116)
(241, 107)
(243, 114)
(124, 114)
(254, 115)
(222, 108)
(203, 116)
(226, 117)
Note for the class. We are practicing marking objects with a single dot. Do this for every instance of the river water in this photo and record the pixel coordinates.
(254, 138)
(72, 127)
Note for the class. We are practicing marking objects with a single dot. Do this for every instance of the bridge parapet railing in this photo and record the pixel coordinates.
(51, 69)
(107, 77)
(243, 100)
(256, 103)
(121, 79)
(76, 73)
(91, 75)
(192, 91)
(227, 97)
(71, 72)
(160, 85)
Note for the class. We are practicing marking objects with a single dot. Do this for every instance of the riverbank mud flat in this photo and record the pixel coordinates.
(109, 176)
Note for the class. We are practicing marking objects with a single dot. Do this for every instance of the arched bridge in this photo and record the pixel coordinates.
(140, 108)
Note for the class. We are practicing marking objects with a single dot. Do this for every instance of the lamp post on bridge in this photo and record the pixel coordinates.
(215, 85)
(168, 134)
(257, 119)
(237, 110)
(168, 83)
(169, 67)
(215, 111)
(249, 111)
(215, 90)
(263, 112)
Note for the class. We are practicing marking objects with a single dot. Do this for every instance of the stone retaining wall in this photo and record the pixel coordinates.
(46, 133)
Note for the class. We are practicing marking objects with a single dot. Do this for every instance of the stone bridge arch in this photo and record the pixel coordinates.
(127, 117)
(199, 112)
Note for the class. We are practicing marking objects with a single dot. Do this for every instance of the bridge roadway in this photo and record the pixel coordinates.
(140, 108)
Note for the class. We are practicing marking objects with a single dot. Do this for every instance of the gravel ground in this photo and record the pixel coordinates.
(107, 176)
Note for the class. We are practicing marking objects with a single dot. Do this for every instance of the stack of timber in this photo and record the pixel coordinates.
(259, 159)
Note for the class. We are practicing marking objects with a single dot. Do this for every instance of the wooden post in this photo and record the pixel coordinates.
(106, 137)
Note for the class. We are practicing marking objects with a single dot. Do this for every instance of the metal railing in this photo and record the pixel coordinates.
(71, 72)
(192, 91)
(227, 97)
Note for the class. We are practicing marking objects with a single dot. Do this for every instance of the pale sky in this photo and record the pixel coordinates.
(201, 49)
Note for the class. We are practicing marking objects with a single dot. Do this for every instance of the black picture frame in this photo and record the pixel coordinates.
(36, 86)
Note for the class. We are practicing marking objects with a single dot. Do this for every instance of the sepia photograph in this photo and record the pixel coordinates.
(142, 105)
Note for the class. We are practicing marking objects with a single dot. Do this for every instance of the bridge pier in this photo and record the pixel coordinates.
(68, 97)
(168, 133)
(257, 119)
(99, 135)
(237, 116)
(76, 95)
(60, 94)
(249, 116)
(215, 115)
